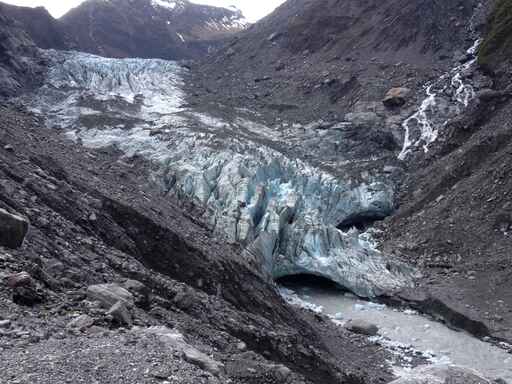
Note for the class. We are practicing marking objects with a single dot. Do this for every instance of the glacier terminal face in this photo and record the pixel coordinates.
(284, 211)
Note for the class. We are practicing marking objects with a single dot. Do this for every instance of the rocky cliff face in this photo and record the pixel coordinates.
(19, 58)
(39, 25)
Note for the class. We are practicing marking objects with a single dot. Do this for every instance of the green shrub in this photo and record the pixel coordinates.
(497, 44)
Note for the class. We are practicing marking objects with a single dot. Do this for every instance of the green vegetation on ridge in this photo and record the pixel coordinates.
(497, 45)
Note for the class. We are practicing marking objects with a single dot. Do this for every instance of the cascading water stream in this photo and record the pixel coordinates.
(423, 118)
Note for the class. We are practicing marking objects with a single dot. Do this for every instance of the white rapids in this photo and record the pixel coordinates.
(283, 210)
(407, 331)
(423, 119)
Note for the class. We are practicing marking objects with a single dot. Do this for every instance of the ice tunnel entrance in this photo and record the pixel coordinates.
(302, 280)
(361, 221)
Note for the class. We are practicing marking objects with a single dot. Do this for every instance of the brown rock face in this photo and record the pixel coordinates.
(396, 97)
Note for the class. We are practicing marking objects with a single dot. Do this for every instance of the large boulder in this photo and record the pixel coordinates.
(13, 229)
(362, 327)
(441, 374)
(396, 97)
(109, 294)
(24, 289)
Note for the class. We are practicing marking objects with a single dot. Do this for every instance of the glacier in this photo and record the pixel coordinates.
(285, 212)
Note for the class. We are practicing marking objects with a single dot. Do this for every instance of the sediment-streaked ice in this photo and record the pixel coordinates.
(283, 210)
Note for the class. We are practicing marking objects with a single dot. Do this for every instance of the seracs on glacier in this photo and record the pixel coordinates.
(284, 211)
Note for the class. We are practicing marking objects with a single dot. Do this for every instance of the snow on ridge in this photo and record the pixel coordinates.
(169, 4)
(228, 23)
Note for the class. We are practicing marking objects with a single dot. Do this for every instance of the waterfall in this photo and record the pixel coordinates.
(462, 93)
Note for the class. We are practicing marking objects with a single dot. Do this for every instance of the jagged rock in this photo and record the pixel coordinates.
(140, 292)
(121, 313)
(19, 279)
(362, 327)
(81, 322)
(396, 97)
(441, 374)
(24, 289)
(13, 229)
(109, 294)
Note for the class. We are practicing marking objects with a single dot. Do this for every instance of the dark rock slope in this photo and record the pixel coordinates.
(333, 57)
(165, 29)
(20, 66)
(455, 219)
(321, 59)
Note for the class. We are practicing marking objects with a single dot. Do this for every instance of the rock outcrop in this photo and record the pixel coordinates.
(13, 229)
(109, 294)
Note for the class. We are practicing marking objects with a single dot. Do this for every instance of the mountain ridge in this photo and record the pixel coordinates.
(123, 28)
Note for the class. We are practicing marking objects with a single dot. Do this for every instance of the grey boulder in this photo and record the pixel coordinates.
(362, 327)
(109, 294)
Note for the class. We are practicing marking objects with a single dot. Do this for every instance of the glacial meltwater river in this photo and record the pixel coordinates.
(407, 330)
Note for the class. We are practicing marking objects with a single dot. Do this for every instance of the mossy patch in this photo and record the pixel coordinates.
(497, 45)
